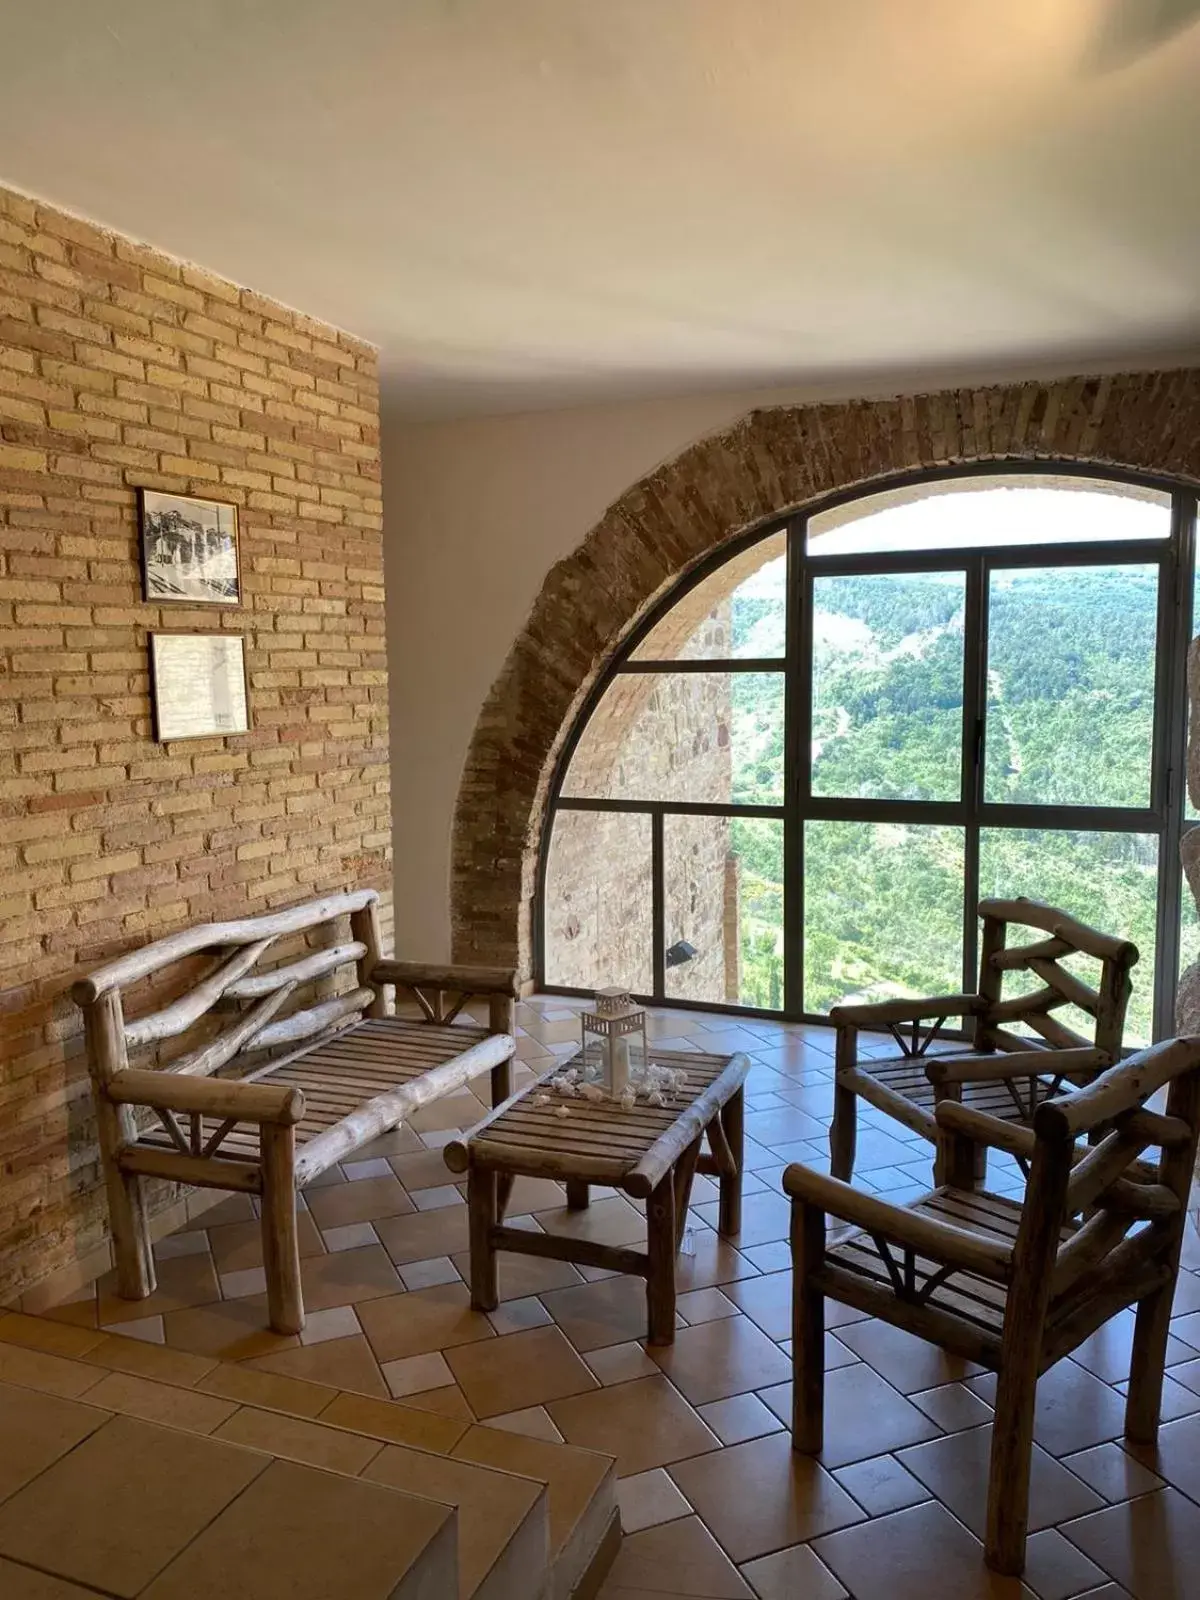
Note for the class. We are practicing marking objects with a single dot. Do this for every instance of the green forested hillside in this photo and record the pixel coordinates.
(1070, 694)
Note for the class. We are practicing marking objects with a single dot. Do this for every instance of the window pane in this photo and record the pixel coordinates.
(1109, 880)
(598, 914)
(738, 611)
(1189, 929)
(887, 686)
(723, 886)
(883, 911)
(702, 736)
(1071, 685)
(962, 514)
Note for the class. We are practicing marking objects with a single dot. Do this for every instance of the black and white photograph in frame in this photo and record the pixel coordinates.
(198, 685)
(189, 549)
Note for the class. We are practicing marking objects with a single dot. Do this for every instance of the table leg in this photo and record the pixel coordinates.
(483, 1209)
(577, 1194)
(660, 1249)
(729, 1220)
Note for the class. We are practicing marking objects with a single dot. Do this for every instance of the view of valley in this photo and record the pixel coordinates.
(1070, 690)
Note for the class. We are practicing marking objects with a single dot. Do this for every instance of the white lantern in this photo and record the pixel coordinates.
(616, 1033)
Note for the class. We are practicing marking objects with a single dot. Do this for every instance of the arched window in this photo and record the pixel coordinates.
(807, 766)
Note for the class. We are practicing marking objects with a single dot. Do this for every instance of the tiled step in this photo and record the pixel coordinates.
(534, 1519)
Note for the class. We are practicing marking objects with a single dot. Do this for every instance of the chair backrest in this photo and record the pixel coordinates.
(1055, 986)
(1069, 1278)
(235, 976)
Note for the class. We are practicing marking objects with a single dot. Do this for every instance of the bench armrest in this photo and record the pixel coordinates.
(879, 1013)
(945, 1243)
(463, 980)
(207, 1097)
(1018, 1064)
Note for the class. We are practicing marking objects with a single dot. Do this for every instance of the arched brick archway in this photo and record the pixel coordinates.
(768, 463)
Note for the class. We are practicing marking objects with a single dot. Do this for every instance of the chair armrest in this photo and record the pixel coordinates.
(982, 1128)
(463, 980)
(945, 1243)
(879, 1013)
(207, 1097)
(1017, 1064)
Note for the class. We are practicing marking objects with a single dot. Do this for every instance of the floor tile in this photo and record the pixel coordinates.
(151, 1361)
(238, 1245)
(424, 1169)
(1074, 1409)
(236, 1285)
(767, 1301)
(162, 1403)
(401, 1141)
(535, 1422)
(347, 1277)
(55, 1338)
(182, 1281)
(1151, 1545)
(766, 1216)
(446, 1402)
(721, 1358)
(298, 1534)
(908, 1363)
(704, 1305)
(336, 1322)
(643, 1424)
(493, 1504)
(914, 1555)
(956, 1470)
(351, 1237)
(712, 1260)
(35, 1369)
(234, 1330)
(462, 1110)
(610, 1221)
(1112, 1472)
(953, 1407)
(427, 1319)
(366, 1201)
(621, 1363)
(394, 1423)
(131, 1495)
(519, 1370)
(149, 1330)
(572, 1477)
(696, 1564)
(789, 1574)
(269, 1390)
(234, 1208)
(340, 1363)
(426, 1274)
(740, 1417)
(864, 1416)
(1055, 1569)
(762, 1496)
(521, 1276)
(36, 1429)
(1177, 1399)
(23, 1583)
(370, 1167)
(299, 1439)
(1175, 1458)
(593, 1315)
(1108, 1352)
(881, 1485)
(437, 1198)
(415, 1374)
(425, 1234)
(649, 1498)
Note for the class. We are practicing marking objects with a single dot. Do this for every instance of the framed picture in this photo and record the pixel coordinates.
(189, 549)
(198, 685)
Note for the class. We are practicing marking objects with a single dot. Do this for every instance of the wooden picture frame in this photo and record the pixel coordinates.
(189, 550)
(199, 687)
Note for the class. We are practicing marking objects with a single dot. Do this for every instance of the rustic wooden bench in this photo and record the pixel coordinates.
(302, 1086)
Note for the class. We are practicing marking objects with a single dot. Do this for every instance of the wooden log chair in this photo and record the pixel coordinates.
(998, 1070)
(1016, 1286)
(284, 1090)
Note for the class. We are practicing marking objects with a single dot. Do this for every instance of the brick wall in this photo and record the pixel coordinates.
(120, 367)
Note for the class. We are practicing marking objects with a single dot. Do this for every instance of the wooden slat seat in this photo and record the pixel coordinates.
(284, 1090)
(1011, 1054)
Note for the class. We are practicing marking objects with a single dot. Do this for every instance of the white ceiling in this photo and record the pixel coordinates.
(531, 202)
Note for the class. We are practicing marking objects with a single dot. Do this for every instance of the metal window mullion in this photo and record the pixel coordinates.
(1170, 755)
(973, 736)
(797, 761)
(658, 907)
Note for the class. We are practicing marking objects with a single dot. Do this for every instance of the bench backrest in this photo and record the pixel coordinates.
(233, 976)
(1055, 986)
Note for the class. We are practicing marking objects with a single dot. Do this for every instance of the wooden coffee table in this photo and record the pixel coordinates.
(651, 1152)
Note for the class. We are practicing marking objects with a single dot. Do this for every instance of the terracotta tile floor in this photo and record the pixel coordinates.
(720, 1505)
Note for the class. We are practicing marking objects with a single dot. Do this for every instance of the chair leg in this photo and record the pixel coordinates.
(1008, 1477)
(1150, 1333)
(808, 1331)
(843, 1133)
(280, 1238)
(131, 1236)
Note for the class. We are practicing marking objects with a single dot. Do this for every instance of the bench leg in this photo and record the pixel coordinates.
(577, 1195)
(131, 1236)
(280, 1240)
(729, 1219)
(808, 1330)
(483, 1208)
(843, 1133)
(660, 1269)
(502, 1084)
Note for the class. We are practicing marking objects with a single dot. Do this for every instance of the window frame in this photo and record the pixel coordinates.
(1163, 816)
